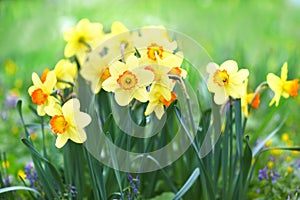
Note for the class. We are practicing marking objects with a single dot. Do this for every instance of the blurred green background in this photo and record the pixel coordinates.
(259, 35)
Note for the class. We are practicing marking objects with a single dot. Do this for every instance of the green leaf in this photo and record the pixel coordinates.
(262, 143)
(164, 196)
(188, 184)
(14, 188)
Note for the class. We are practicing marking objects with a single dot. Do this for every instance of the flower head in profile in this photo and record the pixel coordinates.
(159, 98)
(41, 91)
(281, 86)
(66, 73)
(128, 81)
(252, 99)
(67, 122)
(82, 38)
(226, 80)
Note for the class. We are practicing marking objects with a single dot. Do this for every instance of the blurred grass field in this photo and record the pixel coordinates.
(259, 35)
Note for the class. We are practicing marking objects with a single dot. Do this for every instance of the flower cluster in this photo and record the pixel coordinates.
(132, 191)
(134, 65)
(50, 93)
(226, 81)
(267, 174)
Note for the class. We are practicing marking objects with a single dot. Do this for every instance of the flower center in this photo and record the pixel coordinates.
(44, 75)
(127, 80)
(291, 87)
(58, 124)
(38, 96)
(165, 102)
(154, 50)
(105, 74)
(221, 77)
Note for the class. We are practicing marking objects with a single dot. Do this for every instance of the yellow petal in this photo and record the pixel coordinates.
(77, 135)
(36, 80)
(50, 81)
(212, 67)
(220, 96)
(61, 140)
(118, 27)
(141, 94)
(239, 77)
(274, 83)
(123, 97)
(159, 111)
(132, 62)
(230, 66)
(145, 77)
(70, 106)
(284, 71)
(53, 110)
(82, 119)
(110, 84)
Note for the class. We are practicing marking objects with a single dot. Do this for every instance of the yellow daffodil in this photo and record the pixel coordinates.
(226, 80)
(159, 97)
(154, 42)
(65, 71)
(249, 99)
(40, 92)
(67, 122)
(21, 174)
(120, 41)
(281, 86)
(82, 38)
(128, 81)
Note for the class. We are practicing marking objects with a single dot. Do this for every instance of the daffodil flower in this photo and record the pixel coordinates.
(154, 42)
(159, 97)
(65, 71)
(67, 122)
(82, 38)
(226, 80)
(249, 99)
(281, 86)
(128, 81)
(40, 92)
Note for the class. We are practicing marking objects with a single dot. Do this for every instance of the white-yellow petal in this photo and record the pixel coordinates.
(230, 66)
(123, 97)
(61, 140)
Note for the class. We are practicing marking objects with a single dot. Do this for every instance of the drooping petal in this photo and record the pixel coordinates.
(220, 96)
(159, 111)
(61, 140)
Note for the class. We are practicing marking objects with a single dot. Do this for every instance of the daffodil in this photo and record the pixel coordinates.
(159, 97)
(249, 99)
(226, 80)
(40, 92)
(281, 86)
(65, 71)
(82, 38)
(128, 80)
(67, 122)
(154, 42)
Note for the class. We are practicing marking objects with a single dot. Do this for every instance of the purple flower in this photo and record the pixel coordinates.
(298, 164)
(10, 101)
(274, 175)
(134, 184)
(7, 181)
(263, 174)
(288, 198)
(31, 174)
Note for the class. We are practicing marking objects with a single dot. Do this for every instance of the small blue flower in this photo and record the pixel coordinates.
(263, 174)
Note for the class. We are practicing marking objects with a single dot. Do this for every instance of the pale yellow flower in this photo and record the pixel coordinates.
(82, 38)
(159, 98)
(65, 71)
(128, 80)
(281, 86)
(40, 92)
(154, 42)
(67, 122)
(226, 80)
